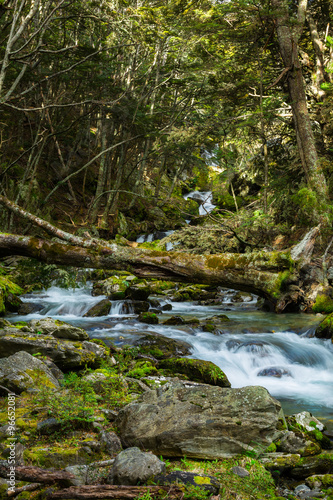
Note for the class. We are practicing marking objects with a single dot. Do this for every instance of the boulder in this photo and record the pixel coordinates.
(134, 466)
(67, 355)
(201, 421)
(298, 443)
(161, 347)
(325, 328)
(110, 443)
(197, 370)
(58, 329)
(148, 317)
(102, 308)
(298, 467)
(21, 372)
(29, 308)
(137, 292)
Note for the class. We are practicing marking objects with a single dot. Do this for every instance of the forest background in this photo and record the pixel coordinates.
(112, 110)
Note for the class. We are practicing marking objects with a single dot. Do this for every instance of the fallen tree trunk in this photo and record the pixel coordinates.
(121, 492)
(261, 273)
(272, 275)
(36, 474)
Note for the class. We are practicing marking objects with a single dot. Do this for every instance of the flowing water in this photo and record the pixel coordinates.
(278, 352)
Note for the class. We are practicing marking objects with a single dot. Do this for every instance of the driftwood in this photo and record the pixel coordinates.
(36, 474)
(122, 492)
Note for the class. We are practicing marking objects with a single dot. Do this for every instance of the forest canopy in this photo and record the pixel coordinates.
(112, 110)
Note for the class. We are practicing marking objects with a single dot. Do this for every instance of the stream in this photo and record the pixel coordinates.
(278, 352)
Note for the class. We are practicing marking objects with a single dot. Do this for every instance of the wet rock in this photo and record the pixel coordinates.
(197, 370)
(21, 372)
(138, 306)
(174, 320)
(102, 308)
(325, 329)
(29, 308)
(58, 329)
(274, 371)
(12, 302)
(205, 482)
(137, 292)
(200, 421)
(161, 347)
(242, 297)
(149, 318)
(133, 466)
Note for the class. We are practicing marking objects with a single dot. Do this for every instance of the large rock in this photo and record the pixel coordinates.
(102, 308)
(67, 355)
(58, 329)
(134, 466)
(21, 371)
(201, 421)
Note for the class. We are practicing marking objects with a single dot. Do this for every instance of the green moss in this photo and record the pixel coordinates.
(271, 448)
(202, 480)
(149, 318)
(323, 304)
(197, 370)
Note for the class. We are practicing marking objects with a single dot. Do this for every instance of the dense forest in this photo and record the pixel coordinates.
(111, 110)
(121, 122)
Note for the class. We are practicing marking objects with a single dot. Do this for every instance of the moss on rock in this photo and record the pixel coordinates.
(197, 370)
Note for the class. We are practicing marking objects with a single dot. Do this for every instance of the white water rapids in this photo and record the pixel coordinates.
(257, 348)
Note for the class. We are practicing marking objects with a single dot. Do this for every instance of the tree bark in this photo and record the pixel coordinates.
(36, 474)
(288, 38)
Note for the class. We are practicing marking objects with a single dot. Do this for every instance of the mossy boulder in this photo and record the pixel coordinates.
(102, 308)
(320, 481)
(201, 421)
(297, 467)
(137, 292)
(59, 457)
(8, 295)
(66, 354)
(324, 301)
(197, 370)
(148, 317)
(193, 292)
(21, 372)
(325, 329)
(161, 347)
(114, 287)
(58, 329)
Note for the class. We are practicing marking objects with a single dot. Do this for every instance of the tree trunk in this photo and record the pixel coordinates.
(288, 38)
(121, 492)
(272, 275)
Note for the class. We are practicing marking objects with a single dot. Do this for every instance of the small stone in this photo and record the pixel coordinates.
(240, 471)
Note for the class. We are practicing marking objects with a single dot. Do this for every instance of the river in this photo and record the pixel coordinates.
(278, 352)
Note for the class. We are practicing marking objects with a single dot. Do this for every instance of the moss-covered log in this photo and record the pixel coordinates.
(266, 274)
(272, 275)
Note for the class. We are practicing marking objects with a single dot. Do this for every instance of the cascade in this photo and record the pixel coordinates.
(278, 352)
